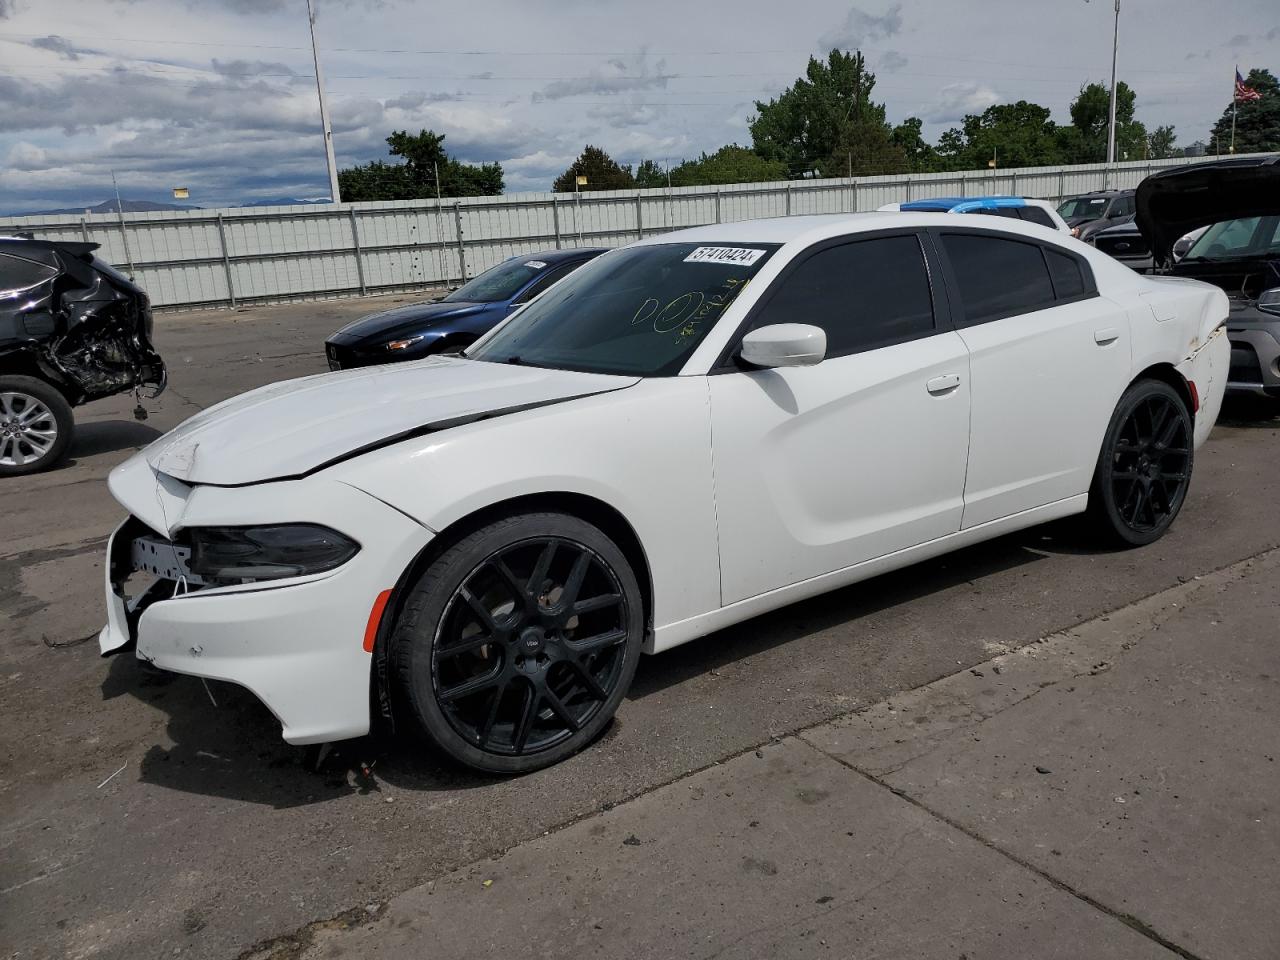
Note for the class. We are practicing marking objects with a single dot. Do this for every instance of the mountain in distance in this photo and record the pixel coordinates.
(109, 206)
(285, 202)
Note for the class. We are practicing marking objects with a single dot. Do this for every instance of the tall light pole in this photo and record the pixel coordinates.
(1111, 120)
(324, 107)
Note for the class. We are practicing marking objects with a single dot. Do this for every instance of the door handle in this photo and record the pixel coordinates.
(943, 384)
(1104, 337)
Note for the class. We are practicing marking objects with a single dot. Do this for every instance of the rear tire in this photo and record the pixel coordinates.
(515, 646)
(1144, 467)
(36, 425)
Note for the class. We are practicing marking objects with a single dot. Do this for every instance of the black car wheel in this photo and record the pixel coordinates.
(515, 646)
(35, 426)
(1144, 469)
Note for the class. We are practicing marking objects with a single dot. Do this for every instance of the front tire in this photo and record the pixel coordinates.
(35, 426)
(515, 647)
(1144, 468)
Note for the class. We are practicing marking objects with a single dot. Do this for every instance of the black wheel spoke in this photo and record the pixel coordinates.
(483, 614)
(599, 642)
(573, 583)
(541, 569)
(602, 602)
(524, 723)
(518, 590)
(468, 687)
(486, 728)
(466, 645)
(560, 710)
(588, 681)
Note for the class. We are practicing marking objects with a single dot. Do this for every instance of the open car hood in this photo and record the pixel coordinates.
(1174, 202)
(293, 428)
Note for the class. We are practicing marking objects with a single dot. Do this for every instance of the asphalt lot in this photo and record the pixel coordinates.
(216, 836)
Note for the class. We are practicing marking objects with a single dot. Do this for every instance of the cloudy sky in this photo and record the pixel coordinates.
(219, 95)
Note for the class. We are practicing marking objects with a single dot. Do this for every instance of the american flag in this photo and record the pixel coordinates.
(1245, 93)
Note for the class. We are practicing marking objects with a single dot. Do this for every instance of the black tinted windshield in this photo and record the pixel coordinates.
(499, 283)
(639, 311)
(1082, 207)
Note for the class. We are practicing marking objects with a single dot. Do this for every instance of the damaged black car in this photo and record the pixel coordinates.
(1238, 201)
(72, 329)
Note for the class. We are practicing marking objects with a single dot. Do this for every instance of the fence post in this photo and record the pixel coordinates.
(84, 230)
(718, 220)
(788, 192)
(855, 196)
(355, 239)
(462, 250)
(906, 186)
(226, 262)
(555, 217)
(639, 216)
(1062, 184)
(964, 185)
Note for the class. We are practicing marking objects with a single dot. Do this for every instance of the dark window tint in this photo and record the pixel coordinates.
(997, 277)
(865, 294)
(1068, 277)
(1010, 212)
(1123, 207)
(546, 280)
(1038, 215)
(18, 274)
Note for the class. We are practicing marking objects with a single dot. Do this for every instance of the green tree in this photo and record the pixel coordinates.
(826, 121)
(600, 169)
(1162, 144)
(1085, 141)
(423, 158)
(729, 164)
(1257, 121)
(650, 174)
(920, 156)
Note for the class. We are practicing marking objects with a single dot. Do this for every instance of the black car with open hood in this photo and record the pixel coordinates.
(1238, 201)
(72, 329)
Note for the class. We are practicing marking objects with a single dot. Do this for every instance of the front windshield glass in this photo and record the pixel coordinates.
(498, 283)
(638, 311)
(1082, 207)
(1237, 239)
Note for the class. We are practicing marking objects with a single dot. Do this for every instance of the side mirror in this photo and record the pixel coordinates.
(784, 345)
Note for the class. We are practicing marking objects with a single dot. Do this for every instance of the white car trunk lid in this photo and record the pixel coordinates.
(291, 428)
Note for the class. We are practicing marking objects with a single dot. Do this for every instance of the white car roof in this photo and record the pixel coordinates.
(812, 228)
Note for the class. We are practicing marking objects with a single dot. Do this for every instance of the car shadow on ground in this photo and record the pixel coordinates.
(226, 743)
(107, 436)
(1249, 410)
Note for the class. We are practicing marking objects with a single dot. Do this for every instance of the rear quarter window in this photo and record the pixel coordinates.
(18, 274)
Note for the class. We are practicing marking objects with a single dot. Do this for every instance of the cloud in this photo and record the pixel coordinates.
(891, 61)
(957, 100)
(59, 45)
(250, 68)
(419, 98)
(8, 8)
(615, 76)
(860, 28)
(1239, 40)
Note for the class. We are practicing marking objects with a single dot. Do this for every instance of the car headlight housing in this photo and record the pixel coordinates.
(1269, 301)
(267, 552)
(404, 344)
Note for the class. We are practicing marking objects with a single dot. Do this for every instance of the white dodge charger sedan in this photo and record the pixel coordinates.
(684, 433)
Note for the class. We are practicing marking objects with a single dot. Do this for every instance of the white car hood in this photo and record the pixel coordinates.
(291, 428)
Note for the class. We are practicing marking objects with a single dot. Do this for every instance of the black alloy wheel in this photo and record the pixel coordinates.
(1144, 470)
(517, 644)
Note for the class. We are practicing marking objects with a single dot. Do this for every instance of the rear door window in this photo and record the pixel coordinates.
(1038, 215)
(997, 277)
(17, 274)
(864, 294)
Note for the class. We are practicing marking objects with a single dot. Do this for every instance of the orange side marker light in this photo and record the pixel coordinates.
(375, 619)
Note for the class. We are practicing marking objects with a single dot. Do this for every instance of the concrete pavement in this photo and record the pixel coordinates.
(1107, 792)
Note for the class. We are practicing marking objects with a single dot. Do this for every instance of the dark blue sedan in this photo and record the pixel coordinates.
(450, 323)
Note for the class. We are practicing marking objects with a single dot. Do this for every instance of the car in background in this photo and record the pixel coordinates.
(1029, 209)
(1091, 212)
(72, 329)
(1125, 243)
(448, 324)
(687, 432)
(1235, 203)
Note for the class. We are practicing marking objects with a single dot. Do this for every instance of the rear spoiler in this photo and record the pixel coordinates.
(76, 248)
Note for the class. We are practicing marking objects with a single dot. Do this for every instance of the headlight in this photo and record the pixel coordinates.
(1269, 301)
(268, 552)
(404, 344)
(1075, 231)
